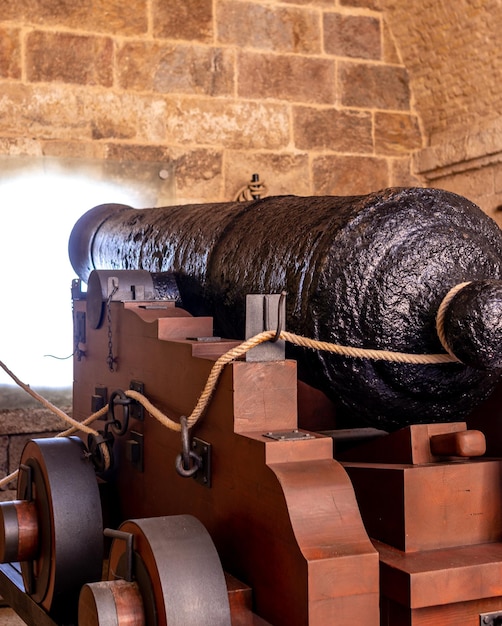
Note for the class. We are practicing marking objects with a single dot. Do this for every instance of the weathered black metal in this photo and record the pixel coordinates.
(367, 271)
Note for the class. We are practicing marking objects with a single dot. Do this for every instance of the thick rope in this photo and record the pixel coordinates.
(228, 357)
(443, 307)
(47, 404)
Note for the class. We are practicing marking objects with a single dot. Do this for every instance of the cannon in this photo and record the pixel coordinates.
(240, 516)
(366, 271)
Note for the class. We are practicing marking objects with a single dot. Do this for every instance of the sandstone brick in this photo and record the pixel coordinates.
(357, 36)
(390, 52)
(282, 174)
(57, 111)
(133, 152)
(248, 24)
(293, 78)
(497, 178)
(353, 175)
(188, 19)
(69, 58)
(233, 124)
(314, 3)
(72, 149)
(198, 175)
(396, 133)
(185, 69)
(10, 53)
(374, 86)
(402, 174)
(20, 146)
(4, 456)
(341, 131)
(364, 4)
(102, 16)
(474, 184)
(30, 420)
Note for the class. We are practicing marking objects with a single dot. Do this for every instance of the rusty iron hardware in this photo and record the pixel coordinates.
(188, 462)
(135, 450)
(266, 312)
(98, 458)
(203, 450)
(491, 619)
(118, 427)
(136, 409)
(288, 435)
(129, 541)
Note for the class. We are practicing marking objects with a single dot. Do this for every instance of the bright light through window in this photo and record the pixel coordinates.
(38, 212)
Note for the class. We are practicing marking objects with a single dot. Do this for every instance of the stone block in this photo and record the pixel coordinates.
(282, 174)
(228, 123)
(375, 5)
(4, 455)
(69, 58)
(198, 175)
(100, 16)
(30, 420)
(390, 53)
(72, 149)
(357, 36)
(58, 111)
(402, 174)
(374, 86)
(396, 133)
(146, 66)
(10, 53)
(282, 29)
(331, 129)
(286, 77)
(349, 175)
(191, 20)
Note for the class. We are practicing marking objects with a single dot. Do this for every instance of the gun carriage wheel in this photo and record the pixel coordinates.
(54, 528)
(162, 570)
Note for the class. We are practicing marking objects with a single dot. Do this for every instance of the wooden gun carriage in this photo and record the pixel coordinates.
(258, 512)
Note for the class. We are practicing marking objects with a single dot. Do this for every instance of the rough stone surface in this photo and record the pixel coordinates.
(92, 15)
(396, 134)
(69, 58)
(357, 36)
(191, 20)
(10, 53)
(248, 24)
(227, 123)
(178, 68)
(341, 131)
(384, 86)
(346, 176)
(286, 77)
(282, 174)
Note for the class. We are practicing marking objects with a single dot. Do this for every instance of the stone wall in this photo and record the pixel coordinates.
(310, 94)
(451, 49)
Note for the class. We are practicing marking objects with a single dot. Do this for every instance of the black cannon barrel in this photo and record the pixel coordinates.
(366, 271)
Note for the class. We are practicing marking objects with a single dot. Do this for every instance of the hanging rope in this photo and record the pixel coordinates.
(236, 353)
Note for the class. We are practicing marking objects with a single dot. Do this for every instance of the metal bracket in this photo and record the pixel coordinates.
(491, 619)
(135, 450)
(136, 409)
(289, 435)
(265, 312)
(203, 449)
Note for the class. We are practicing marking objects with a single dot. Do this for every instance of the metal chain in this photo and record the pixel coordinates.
(111, 360)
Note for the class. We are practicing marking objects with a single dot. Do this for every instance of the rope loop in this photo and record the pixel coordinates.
(188, 456)
(443, 307)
